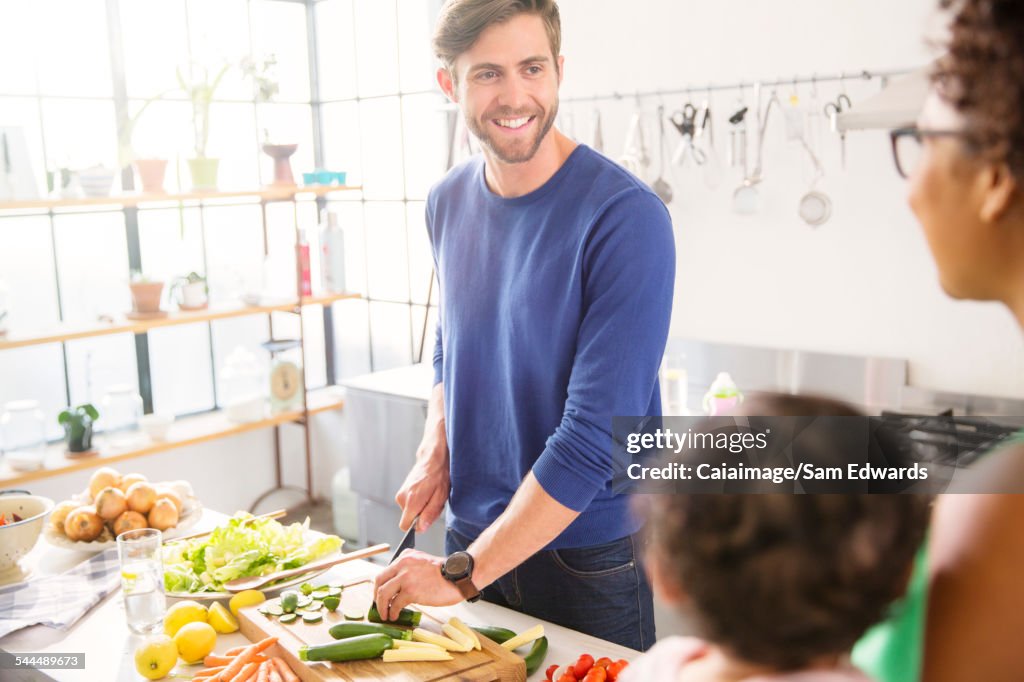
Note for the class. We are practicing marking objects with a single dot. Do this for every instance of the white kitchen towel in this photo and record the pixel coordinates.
(59, 600)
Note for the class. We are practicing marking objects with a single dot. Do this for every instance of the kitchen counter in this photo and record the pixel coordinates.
(109, 647)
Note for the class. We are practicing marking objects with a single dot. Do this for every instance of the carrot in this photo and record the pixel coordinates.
(237, 650)
(283, 670)
(274, 677)
(214, 659)
(246, 656)
(263, 672)
(247, 672)
(209, 672)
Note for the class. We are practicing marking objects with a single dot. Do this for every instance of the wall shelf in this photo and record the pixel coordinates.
(269, 193)
(186, 431)
(70, 332)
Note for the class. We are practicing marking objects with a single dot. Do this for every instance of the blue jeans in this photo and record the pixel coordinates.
(600, 590)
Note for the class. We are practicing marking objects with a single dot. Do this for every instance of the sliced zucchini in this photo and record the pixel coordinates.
(288, 618)
(274, 610)
(314, 617)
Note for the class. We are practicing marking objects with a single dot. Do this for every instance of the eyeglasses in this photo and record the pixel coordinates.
(907, 146)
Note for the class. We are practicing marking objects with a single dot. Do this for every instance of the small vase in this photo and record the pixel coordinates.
(146, 296)
(78, 435)
(151, 174)
(204, 173)
(282, 166)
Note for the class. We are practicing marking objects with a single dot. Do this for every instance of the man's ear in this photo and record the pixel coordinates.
(447, 84)
(998, 188)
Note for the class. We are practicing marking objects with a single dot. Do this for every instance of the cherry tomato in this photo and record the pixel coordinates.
(616, 668)
(596, 674)
(583, 665)
(548, 675)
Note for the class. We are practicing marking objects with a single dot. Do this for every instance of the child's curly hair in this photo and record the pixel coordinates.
(780, 580)
(982, 75)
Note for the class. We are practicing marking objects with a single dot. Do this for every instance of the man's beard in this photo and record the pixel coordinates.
(521, 151)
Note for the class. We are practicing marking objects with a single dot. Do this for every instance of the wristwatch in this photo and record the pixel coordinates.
(458, 569)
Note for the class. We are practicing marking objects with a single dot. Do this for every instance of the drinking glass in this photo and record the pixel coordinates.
(142, 579)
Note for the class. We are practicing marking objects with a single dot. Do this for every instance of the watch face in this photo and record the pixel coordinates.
(457, 565)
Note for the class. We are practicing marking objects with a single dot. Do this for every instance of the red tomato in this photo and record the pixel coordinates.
(583, 665)
(616, 668)
(596, 674)
(550, 672)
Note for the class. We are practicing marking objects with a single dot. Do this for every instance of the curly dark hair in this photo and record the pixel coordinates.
(781, 580)
(982, 75)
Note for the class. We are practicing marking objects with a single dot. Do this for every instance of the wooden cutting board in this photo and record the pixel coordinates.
(492, 664)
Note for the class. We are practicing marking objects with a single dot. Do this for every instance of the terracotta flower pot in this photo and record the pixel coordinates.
(282, 166)
(146, 296)
(151, 174)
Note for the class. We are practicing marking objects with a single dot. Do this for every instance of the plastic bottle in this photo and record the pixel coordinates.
(306, 285)
(722, 396)
(332, 254)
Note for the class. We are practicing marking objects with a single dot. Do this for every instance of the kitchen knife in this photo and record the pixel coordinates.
(408, 542)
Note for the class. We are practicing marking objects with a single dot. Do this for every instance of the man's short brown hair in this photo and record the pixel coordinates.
(462, 21)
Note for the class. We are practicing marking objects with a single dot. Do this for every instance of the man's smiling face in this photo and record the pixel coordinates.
(507, 87)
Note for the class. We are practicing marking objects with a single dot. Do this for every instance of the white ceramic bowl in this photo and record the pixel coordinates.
(18, 539)
(96, 182)
(156, 426)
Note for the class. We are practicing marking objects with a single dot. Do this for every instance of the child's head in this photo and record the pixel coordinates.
(782, 580)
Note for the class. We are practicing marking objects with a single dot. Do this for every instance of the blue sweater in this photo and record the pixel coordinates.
(553, 319)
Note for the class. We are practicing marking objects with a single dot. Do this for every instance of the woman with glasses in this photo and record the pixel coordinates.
(965, 165)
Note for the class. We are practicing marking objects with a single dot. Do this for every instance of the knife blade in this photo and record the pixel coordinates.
(408, 541)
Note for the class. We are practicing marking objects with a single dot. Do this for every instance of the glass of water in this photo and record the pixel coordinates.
(674, 385)
(142, 579)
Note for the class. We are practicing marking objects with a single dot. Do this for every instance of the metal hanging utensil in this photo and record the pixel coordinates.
(660, 185)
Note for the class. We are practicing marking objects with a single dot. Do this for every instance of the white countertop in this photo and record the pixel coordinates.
(103, 636)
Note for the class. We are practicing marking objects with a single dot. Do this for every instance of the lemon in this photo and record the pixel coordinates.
(246, 598)
(195, 641)
(221, 619)
(182, 613)
(156, 657)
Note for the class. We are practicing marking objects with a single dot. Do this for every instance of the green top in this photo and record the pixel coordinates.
(891, 650)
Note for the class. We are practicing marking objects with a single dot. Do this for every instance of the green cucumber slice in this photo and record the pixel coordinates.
(288, 617)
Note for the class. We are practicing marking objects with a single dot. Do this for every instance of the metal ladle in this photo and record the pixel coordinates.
(660, 185)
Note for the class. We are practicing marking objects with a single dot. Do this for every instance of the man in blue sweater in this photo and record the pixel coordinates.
(556, 272)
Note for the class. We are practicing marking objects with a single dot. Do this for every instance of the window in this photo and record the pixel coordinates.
(357, 95)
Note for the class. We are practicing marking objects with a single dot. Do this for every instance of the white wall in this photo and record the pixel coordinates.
(861, 284)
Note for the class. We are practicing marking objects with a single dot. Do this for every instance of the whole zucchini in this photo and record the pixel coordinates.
(346, 630)
(351, 649)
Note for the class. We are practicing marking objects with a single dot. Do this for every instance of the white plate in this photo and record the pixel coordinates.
(209, 596)
(193, 512)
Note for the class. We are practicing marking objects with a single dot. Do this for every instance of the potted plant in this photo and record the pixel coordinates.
(261, 72)
(200, 88)
(146, 293)
(190, 291)
(77, 423)
(150, 171)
